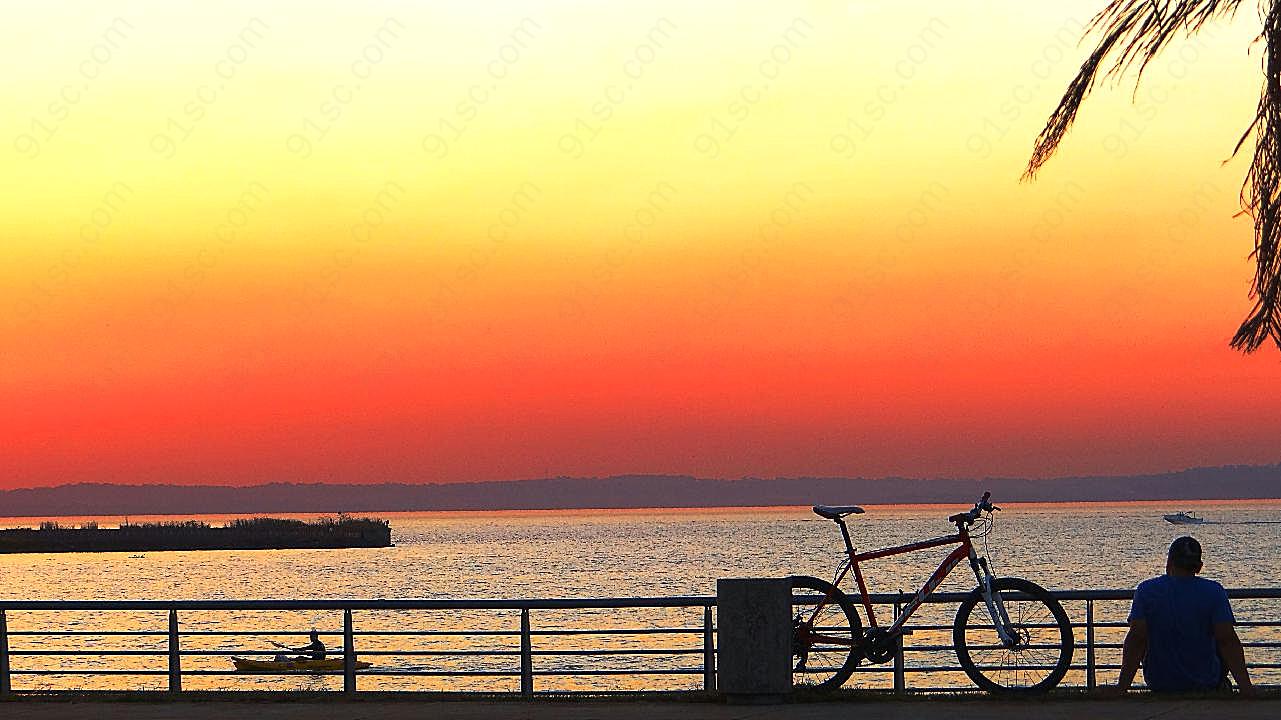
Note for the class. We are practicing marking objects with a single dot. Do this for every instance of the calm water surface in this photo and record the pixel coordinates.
(587, 554)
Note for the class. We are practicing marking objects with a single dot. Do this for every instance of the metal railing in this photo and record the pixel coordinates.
(175, 649)
(533, 656)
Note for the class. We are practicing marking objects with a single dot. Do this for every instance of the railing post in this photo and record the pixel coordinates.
(709, 651)
(348, 654)
(900, 677)
(5, 688)
(1089, 645)
(175, 654)
(526, 656)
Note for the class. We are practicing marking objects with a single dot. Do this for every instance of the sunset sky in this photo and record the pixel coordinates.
(248, 242)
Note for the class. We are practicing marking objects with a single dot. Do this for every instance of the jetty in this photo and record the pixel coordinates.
(241, 534)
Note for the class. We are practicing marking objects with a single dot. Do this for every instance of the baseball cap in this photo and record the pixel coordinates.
(1185, 552)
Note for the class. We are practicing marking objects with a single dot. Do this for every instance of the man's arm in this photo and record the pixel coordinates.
(1133, 652)
(1233, 655)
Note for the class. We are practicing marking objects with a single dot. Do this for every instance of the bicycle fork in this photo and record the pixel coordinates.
(992, 599)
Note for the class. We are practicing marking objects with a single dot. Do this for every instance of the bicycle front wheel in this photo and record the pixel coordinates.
(1041, 634)
(827, 645)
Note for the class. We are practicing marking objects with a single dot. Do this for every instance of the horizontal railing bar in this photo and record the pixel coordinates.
(572, 673)
(511, 633)
(184, 653)
(861, 670)
(699, 601)
(158, 633)
(643, 651)
(90, 672)
(89, 653)
(959, 669)
(337, 653)
(413, 633)
(623, 631)
(1074, 666)
(380, 673)
(1002, 647)
(435, 653)
(688, 601)
(952, 648)
(1118, 594)
(255, 633)
(514, 673)
(255, 673)
(464, 633)
(441, 673)
(421, 653)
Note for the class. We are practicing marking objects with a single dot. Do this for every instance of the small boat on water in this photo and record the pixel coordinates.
(1184, 518)
(293, 665)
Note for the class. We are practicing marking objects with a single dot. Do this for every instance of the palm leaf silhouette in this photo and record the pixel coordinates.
(1133, 33)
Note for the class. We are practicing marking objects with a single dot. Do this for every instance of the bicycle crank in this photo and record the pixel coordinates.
(879, 646)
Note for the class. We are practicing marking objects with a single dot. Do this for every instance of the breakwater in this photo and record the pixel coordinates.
(241, 534)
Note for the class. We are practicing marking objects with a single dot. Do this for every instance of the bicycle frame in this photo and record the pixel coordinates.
(964, 550)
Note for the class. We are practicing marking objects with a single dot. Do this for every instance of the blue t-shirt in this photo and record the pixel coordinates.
(1181, 613)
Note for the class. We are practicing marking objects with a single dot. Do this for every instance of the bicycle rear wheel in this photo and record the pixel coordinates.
(827, 647)
(1042, 649)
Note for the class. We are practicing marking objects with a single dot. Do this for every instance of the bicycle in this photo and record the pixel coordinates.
(1021, 643)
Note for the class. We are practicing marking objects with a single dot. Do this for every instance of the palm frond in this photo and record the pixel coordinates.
(1261, 197)
(1133, 33)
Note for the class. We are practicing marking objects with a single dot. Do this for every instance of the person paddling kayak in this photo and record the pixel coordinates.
(315, 649)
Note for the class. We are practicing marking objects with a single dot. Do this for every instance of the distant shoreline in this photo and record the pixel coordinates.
(630, 492)
(691, 509)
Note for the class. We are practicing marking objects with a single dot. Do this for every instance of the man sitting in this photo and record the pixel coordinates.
(1181, 629)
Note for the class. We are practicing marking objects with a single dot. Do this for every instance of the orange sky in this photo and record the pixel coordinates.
(261, 242)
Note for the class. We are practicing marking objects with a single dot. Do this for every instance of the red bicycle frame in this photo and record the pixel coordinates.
(965, 549)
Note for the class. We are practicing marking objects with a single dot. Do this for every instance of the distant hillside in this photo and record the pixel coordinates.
(631, 491)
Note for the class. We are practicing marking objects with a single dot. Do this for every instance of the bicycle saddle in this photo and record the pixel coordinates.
(836, 512)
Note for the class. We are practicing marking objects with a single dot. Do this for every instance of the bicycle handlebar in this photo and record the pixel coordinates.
(983, 505)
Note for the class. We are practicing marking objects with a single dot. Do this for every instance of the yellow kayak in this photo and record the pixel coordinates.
(327, 665)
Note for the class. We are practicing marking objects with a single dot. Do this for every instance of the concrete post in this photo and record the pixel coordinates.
(754, 639)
